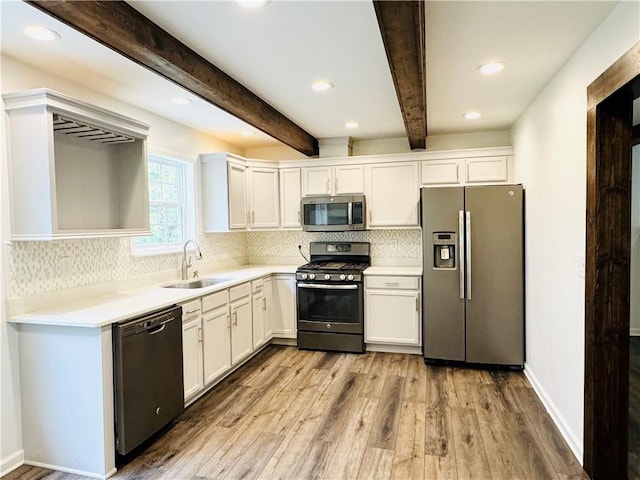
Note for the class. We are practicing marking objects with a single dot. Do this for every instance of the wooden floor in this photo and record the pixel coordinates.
(296, 414)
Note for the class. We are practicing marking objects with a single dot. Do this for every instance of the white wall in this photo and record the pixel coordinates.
(550, 160)
(635, 242)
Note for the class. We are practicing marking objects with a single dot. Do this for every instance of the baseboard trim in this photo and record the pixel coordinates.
(574, 444)
(10, 463)
(386, 348)
(634, 332)
(70, 470)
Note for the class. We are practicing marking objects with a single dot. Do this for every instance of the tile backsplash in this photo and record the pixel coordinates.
(388, 247)
(40, 272)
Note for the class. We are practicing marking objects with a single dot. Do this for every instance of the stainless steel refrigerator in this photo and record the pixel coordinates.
(473, 274)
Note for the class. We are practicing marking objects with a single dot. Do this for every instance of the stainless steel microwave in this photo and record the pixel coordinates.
(339, 213)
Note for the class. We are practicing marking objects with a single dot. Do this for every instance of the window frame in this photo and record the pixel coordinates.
(187, 202)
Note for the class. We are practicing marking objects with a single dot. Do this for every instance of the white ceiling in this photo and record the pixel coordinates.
(279, 50)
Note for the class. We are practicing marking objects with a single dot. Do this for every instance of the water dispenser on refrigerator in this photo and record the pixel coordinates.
(444, 250)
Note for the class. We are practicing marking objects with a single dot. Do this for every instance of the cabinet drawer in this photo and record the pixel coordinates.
(257, 285)
(215, 300)
(239, 291)
(191, 310)
(404, 283)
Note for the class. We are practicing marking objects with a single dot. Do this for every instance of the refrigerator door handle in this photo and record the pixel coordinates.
(461, 262)
(468, 253)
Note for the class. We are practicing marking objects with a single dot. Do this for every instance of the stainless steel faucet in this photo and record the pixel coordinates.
(186, 264)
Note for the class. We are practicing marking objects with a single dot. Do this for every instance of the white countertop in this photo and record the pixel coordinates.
(101, 311)
(399, 271)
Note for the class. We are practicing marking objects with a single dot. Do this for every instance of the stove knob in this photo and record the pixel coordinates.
(343, 277)
(312, 276)
(327, 276)
(350, 277)
(304, 276)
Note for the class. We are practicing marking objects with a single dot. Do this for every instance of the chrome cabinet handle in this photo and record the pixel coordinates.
(392, 284)
(327, 183)
(253, 217)
(229, 322)
(235, 318)
(417, 304)
(199, 335)
(192, 311)
(264, 304)
(336, 185)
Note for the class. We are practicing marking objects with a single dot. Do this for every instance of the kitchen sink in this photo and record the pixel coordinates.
(198, 283)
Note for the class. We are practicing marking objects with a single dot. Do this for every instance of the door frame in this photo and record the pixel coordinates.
(607, 270)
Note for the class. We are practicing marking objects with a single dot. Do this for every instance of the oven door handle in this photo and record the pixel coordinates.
(323, 286)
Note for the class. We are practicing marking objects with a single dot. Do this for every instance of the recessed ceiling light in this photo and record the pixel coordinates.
(352, 124)
(181, 100)
(321, 85)
(252, 3)
(490, 68)
(40, 33)
(471, 115)
(248, 133)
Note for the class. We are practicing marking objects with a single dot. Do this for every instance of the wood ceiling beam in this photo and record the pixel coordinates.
(122, 28)
(402, 25)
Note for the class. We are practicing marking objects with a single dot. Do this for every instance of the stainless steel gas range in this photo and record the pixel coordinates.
(331, 297)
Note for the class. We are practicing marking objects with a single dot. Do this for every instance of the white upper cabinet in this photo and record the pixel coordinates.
(290, 193)
(328, 180)
(439, 172)
(467, 170)
(76, 170)
(262, 185)
(392, 194)
(487, 169)
(224, 193)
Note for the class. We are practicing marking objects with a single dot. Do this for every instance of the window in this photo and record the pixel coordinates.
(170, 207)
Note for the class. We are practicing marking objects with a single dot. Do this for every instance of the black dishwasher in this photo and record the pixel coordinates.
(147, 361)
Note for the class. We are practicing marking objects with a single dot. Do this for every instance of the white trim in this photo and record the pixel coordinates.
(574, 443)
(49, 466)
(634, 332)
(411, 350)
(11, 462)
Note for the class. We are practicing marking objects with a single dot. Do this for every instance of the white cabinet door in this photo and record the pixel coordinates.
(317, 180)
(487, 169)
(290, 193)
(237, 196)
(392, 194)
(392, 317)
(441, 172)
(263, 196)
(258, 320)
(268, 309)
(348, 179)
(241, 329)
(284, 306)
(192, 356)
(216, 326)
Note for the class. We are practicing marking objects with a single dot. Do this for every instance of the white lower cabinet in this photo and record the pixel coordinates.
(241, 322)
(258, 310)
(393, 310)
(268, 308)
(222, 329)
(284, 306)
(216, 326)
(192, 348)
